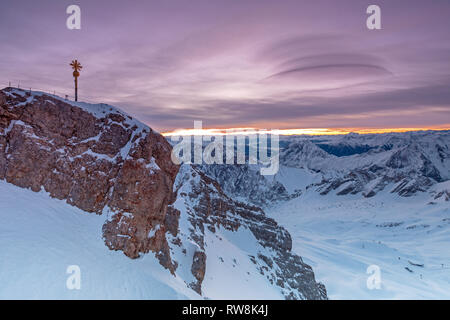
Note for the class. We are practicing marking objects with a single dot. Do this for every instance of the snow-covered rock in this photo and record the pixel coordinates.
(234, 247)
(405, 163)
(97, 159)
(246, 183)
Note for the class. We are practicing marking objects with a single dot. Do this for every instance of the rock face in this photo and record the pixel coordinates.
(208, 209)
(96, 158)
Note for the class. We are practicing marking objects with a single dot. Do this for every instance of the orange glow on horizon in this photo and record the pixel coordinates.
(288, 132)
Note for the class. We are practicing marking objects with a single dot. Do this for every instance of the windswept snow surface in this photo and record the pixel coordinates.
(230, 273)
(341, 236)
(41, 237)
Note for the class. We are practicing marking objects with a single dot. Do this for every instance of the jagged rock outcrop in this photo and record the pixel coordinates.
(96, 158)
(208, 209)
(245, 181)
(101, 160)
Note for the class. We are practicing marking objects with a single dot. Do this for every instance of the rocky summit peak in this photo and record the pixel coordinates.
(101, 160)
(95, 157)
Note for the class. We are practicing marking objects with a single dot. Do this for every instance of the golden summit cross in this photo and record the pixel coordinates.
(76, 66)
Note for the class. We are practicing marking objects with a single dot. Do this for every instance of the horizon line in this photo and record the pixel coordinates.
(303, 131)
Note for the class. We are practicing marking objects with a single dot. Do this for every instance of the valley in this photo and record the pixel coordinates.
(341, 236)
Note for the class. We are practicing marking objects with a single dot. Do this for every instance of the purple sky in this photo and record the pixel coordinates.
(239, 63)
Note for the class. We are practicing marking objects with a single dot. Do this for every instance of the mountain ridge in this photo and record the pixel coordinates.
(101, 160)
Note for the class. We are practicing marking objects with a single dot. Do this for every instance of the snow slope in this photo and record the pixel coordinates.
(341, 236)
(379, 199)
(40, 237)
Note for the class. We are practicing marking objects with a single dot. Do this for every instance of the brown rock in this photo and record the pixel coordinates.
(198, 269)
(96, 158)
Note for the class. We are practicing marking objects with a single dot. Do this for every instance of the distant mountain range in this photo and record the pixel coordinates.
(402, 163)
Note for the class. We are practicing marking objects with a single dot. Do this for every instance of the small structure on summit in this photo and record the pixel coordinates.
(76, 66)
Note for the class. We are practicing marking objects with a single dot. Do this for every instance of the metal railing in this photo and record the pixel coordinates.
(65, 94)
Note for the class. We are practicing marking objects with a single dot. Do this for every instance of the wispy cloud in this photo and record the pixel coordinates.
(237, 64)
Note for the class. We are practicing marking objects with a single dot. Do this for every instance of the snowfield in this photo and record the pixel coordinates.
(341, 236)
(41, 237)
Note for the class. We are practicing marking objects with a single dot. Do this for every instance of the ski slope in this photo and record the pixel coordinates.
(341, 236)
